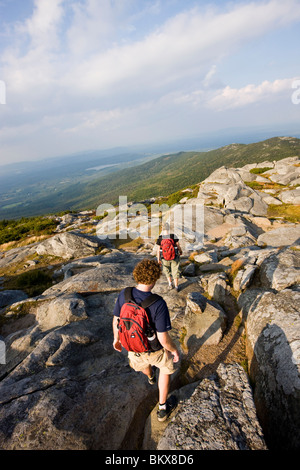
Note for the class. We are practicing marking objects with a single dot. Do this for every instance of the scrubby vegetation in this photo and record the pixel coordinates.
(176, 197)
(33, 282)
(288, 212)
(14, 230)
(258, 171)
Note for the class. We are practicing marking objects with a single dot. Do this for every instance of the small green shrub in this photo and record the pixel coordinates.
(33, 282)
(258, 171)
(14, 230)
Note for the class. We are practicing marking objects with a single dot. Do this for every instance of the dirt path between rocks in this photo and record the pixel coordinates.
(204, 363)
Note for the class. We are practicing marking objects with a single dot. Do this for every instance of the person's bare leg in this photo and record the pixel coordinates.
(148, 371)
(163, 387)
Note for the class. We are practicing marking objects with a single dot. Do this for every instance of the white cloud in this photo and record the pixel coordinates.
(228, 97)
(43, 24)
(187, 45)
(86, 66)
(94, 25)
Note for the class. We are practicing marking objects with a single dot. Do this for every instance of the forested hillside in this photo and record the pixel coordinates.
(159, 177)
(169, 173)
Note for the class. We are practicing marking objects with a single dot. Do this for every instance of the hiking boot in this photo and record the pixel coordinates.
(171, 404)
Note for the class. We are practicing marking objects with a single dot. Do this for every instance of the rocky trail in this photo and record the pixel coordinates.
(235, 319)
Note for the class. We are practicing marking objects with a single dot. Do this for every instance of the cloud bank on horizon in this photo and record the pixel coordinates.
(83, 74)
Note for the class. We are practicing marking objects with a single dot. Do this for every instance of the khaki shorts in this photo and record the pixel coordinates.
(162, 359)
(171, 267)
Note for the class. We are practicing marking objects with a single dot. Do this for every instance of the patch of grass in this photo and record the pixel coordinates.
(183, 334)
(235, 267)
(195, 253)
(20, 310)
(43, 261)
(258, 171)
(33, 282)
(255, 185)
(23, 242)
(127, 243)
(289, 212)
(174, 198)
(260, 186)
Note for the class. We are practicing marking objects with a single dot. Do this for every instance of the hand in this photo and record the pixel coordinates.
(175, 356)
(117, 345)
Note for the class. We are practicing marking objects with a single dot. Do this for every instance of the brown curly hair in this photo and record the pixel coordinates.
(147, 272)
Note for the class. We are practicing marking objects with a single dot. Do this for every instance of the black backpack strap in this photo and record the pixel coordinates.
(150, 300)
(128, 294)
(146, 303)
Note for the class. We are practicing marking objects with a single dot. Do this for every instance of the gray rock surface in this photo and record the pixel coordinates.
(244, 277)
(273, 343)
(205, 321)
(216, 286)
(281, 269)
(106, 277)
(220, 415)
(290, 197)
(67, 390)
(8, 297)
(69, 245)
(282, 236)
(16, 255)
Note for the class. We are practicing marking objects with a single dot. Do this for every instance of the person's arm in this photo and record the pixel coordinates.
(167, 343)
(116, 343)
(158, 254)
(179, 248)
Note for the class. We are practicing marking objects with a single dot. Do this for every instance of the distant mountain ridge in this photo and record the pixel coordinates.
(157, 177)
(170, 173)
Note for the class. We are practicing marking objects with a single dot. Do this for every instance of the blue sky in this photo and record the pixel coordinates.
(95, 74)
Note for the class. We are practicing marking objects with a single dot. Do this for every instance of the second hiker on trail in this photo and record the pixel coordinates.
(140, 324)
(168, 253)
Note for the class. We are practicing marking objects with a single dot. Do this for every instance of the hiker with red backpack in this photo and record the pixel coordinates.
(140, 324)
(168, 254)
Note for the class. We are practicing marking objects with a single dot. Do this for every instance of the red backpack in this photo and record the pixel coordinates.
(168, 248)
(135, 330)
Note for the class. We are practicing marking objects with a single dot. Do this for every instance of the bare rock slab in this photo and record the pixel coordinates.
(68, 245)
(220, 415)
(205, 321)
(106, 277)
(9, 297)
(281, 270)
(273, 349)
(282, 236)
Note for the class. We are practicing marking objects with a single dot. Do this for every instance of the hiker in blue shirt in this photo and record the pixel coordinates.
(146, 273)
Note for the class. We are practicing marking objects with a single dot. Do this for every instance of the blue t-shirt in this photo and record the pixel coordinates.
(159, 315)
